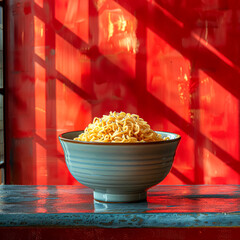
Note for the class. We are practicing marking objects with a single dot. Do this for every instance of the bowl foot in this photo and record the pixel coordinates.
(121, 197)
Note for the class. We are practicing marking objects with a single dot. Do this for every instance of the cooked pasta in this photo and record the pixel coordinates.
(119, 128)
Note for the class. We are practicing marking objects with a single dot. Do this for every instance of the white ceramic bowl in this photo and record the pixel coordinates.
(119, 172)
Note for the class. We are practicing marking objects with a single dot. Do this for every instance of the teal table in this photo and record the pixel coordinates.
(170, 212)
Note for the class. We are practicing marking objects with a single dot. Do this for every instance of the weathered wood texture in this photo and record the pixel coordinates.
(203, 210)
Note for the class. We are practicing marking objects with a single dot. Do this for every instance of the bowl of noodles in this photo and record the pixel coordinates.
(119, 156)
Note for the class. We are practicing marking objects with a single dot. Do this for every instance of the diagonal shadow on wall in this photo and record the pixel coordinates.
(169, 32)
(206, 58)
(226, 73)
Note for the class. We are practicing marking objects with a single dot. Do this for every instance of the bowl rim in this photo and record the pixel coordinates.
(178, 137)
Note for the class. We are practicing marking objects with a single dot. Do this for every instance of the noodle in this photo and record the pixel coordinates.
(119, 128)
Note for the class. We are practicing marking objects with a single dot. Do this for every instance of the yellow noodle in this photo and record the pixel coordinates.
(119, 127)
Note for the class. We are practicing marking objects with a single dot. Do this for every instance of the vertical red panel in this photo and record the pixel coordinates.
(220, 125)
(20, 96)
(40, 124)
(168, 82)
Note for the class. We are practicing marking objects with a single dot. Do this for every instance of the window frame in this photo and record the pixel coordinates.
(3, 94)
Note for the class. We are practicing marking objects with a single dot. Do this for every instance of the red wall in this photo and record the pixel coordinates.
(175, 63)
